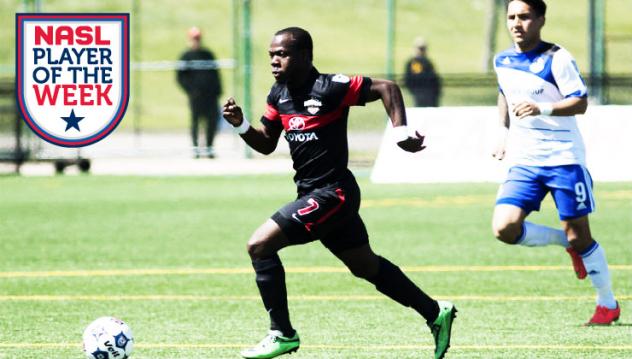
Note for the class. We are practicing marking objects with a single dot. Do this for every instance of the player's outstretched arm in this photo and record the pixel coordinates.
(263, 140)
(391, 97)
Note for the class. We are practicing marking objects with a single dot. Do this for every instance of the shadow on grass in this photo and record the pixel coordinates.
(622, 325)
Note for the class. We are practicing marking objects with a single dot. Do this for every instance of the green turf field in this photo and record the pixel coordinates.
(168, 256)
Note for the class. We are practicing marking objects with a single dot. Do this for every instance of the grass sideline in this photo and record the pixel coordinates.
(206, 306)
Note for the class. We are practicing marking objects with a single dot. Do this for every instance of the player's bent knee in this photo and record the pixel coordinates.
(364, 269)
(364, 273)
(255, 247)
(507, 232)
(266, 241)
(258, 245)
(362, 261)
(507, 223)
(361, 272)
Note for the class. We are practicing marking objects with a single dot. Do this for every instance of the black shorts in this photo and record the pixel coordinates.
(329, 213)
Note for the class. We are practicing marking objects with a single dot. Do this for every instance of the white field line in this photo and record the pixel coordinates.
(296, 298)
(481, 347)
(231, 271)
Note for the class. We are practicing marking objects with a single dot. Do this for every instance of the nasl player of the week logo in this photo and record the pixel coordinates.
(72, 75)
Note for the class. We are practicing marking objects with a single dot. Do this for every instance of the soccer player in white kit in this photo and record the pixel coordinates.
(540, 91)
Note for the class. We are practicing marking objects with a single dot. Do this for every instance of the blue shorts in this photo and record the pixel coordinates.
(570, 186)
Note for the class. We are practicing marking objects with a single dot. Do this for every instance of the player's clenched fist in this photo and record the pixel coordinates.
(232, 113)
(525, 109)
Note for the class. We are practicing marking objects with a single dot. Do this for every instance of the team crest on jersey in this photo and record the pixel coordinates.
(340, 78)
(537, 66)
(312, 105)
(72, 75)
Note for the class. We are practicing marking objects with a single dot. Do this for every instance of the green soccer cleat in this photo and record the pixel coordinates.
(273, 345)
(442, 327)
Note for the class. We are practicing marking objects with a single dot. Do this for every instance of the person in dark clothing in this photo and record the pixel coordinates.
(201, 82)
(312, 109)
(421, 79)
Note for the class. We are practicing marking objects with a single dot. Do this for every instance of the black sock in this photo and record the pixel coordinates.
(391, 281)
(270, 277)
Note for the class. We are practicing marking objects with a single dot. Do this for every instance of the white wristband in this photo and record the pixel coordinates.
(400, 133)
(243, 128)
(546, 108)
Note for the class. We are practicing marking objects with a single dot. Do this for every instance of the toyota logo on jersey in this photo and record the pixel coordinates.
(296, 123)
(72, 75)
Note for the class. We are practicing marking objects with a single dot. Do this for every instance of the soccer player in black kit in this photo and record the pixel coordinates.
(312, 109)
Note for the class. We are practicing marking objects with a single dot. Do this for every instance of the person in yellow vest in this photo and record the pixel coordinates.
(421, 79)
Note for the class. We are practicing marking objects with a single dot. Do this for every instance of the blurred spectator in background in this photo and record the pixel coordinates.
(421, 79)
(203, 87)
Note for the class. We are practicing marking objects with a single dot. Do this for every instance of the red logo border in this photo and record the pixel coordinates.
(120, 112)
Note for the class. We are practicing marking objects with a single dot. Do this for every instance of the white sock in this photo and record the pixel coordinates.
(595, 262)
(535, 235)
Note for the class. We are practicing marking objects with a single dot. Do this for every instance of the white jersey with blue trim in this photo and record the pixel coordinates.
(547, 73)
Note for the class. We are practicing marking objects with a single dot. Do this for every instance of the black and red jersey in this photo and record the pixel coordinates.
(315, 122)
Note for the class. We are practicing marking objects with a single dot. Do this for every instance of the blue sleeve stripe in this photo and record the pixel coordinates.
(547, 129)
(578, 93)
(552, 140)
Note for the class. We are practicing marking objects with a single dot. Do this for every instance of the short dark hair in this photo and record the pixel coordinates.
(538, 6)
(301, 39)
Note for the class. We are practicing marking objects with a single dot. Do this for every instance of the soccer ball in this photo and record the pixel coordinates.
(108, 338)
